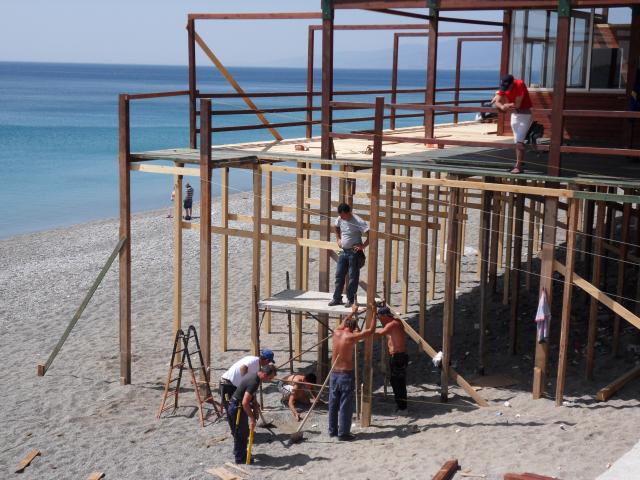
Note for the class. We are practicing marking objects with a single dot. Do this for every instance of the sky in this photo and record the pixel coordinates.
(153, 32)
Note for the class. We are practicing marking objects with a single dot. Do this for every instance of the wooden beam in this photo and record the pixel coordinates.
(449, 291)
(177, 257)
(236, 86)
(485, 234)
(595, 280)
(546, 284)
(191, 44)
(493, 245)
(422, 258)
(607, 392)
(300, 233)
(406, 251)
(447, 471)
(124, 258)
(268, 255)
(224, 258)
(388, 236)
(433, 265)
(257, 244)
(205, 233)
(508, 250)
(624, 239)
(372, 264)
(573, 214)
(515, 274)
(432, 61)
(505, 50)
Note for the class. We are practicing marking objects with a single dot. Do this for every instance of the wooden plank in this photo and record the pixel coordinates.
(515, 275)
(223, 473)
(607, 392)
(177, 170)
(595, 280)
(624, 238)
(447, 471)
(388, 236)
(433, 266)
(508, 250)
(268, 256)
(205, 234)
(485, 234)
(299, 254)
(255, 277)
(177, 257)
(406, 251)
(95, 475)
(449, 291)
(124, 260)
(530, 234)
(546, 284)
(526, 476)
(224, 259)
(493, 245)
(600, 296)
(303, 301)
(372, 264)
(573, 214)
(236, 86)
(422, 259)
(26, 461)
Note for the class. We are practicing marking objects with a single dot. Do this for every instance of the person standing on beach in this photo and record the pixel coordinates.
(513, 97)
(342, 381)
(393, 329)
(349, 229)
(173, 198)
(188, 201)
(249, 365)
(244, 409)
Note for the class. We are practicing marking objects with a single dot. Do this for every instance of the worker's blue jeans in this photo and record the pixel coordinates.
(347, 262)
(341, 385)
(240, 431)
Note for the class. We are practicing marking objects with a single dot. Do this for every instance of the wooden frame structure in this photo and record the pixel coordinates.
(441, 192)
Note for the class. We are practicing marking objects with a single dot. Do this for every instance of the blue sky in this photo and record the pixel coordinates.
(152, 31)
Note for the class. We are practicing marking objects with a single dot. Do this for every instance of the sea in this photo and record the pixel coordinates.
(59, 130)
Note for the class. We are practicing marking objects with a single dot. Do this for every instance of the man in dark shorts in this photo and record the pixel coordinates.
(188, 201)
(393, 329)
(245, 404)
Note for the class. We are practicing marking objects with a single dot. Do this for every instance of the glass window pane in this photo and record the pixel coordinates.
(578, 49)
(610, 49)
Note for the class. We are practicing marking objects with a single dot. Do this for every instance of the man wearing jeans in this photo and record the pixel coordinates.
(349, 229)
(342, 382)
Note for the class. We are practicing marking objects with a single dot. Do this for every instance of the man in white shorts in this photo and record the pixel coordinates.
(513, 97)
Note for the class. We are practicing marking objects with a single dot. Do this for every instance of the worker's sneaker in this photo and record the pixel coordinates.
(349, 437)
(335, 302)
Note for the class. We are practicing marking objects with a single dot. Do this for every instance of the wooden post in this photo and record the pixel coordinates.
(456, 93)
(432, 60)
(394, 81)
(205, 232)
(257, 244)
(326, 149)
(493, 250)
(422, 256)
(372, 264)
(572, 226)
(504, 59)
(289, 329)
(485, 233)
(595, 280)
(501, 230)
(388, 235)
(449, 289)
(509, 244)
(406, 252)
(310, 47)
(124, 257)
(515, 274)
(433, 266)
(624, 239)
(305, 250)
(224, 258)
(193, 135)
(546, 283)
(268, 255)
(300, 202)
(530, 229)
(395, 242)
(632, 66)
(177, 255)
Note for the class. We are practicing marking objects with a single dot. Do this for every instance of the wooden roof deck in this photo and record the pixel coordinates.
(464, 161)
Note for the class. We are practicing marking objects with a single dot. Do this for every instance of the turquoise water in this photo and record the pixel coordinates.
(59, 131)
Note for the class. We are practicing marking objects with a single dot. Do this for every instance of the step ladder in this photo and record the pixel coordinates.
(184, 360)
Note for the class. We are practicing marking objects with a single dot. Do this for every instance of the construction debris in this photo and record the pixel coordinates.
(26, 461)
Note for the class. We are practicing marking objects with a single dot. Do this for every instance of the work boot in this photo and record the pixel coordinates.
(335, 302)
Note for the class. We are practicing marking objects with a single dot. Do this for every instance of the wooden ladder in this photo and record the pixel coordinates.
(172, 385)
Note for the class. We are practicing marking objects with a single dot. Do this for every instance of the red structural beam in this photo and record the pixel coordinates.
(476, 4)
(140, 96)
(440, 19)
(256, 16)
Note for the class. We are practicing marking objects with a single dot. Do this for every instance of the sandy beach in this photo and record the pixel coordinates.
(83, 420)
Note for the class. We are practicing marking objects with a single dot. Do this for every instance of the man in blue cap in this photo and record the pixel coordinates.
(248, 365)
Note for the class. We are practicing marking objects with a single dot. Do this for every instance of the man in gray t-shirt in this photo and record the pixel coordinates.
(349, 230)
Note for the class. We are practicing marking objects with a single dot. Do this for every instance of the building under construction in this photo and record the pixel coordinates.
(580, 60)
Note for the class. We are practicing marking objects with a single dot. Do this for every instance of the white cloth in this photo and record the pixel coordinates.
(234, 376)
(543, 317)
(351, 230)
(285, 388)
(520, 123)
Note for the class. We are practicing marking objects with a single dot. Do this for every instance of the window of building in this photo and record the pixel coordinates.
(598, 48)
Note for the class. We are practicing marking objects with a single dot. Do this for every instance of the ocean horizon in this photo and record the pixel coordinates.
(59, 130)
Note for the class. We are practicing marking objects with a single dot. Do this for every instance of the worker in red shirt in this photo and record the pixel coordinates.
(513, 97)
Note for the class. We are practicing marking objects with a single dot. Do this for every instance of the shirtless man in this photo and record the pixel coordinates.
(393, 329)
(297, 388)
(341, 383)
